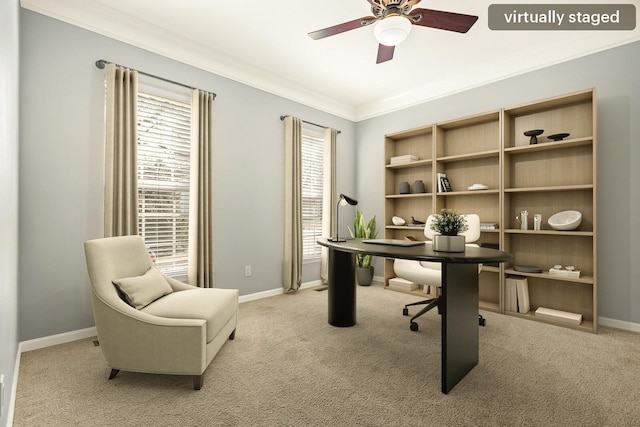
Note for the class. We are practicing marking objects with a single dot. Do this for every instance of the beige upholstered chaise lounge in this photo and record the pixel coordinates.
(149, 322)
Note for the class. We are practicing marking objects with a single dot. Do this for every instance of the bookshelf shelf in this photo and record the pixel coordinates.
(588, 280)
(586, 325)
(471, 156)
(546, 146)
(489, 306)
(470, 193)
(549, 188)
(404, 227)
(408, 196)
(414, 164)
(549, 232)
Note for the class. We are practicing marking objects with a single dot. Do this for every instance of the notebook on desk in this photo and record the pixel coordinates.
(394, 242)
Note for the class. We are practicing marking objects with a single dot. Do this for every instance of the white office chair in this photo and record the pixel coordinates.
(429, 273)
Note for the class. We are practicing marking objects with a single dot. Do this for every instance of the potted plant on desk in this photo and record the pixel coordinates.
(449, 224)
(364, 230)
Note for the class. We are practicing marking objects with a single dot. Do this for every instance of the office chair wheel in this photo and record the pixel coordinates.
(481, 320)
(405, 311)
(413, 326)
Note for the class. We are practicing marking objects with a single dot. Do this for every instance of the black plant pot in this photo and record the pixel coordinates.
(364, 275)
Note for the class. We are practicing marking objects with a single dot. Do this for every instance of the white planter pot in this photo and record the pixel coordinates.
(448, 243)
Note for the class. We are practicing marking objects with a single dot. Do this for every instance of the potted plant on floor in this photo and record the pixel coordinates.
(448, 223)
(364, 230)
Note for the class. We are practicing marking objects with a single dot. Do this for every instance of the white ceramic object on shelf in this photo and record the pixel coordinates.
(396, 220)
(565, 220)
(476, 187)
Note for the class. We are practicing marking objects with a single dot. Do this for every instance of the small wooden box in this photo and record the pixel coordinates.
(400, 284)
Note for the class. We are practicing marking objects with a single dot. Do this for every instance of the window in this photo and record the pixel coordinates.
(164, 135)
(312, 182)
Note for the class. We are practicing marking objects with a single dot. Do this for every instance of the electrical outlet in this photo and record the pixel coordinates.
(247, 271)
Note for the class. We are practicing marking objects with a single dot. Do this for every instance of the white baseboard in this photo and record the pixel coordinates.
(260, 295)
(274, 292)
(66, 337)
(619, 324)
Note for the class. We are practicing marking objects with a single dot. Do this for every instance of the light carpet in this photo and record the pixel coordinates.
(289, 367)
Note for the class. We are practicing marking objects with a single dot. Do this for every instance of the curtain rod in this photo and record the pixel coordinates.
(310, 123)
(101, 63)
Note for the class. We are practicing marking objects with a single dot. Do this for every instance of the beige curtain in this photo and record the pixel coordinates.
(329, 199)
(121, 169)
(200, 271)
(292, 252)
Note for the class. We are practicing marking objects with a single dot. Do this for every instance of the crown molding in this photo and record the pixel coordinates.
(103, 20)
(514, 64)
(98, 18)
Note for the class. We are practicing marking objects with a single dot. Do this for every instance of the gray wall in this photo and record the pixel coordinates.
(8, 195)
(615, 75)
(61, 170)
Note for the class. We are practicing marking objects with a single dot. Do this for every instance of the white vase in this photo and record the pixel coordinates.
(448, 243)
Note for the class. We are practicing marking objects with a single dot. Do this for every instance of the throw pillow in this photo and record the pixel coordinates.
(142, 290)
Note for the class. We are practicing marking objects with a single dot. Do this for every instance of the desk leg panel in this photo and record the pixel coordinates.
(460, 342)
(342, 288)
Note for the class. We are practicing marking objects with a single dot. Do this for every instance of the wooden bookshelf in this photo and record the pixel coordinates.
(543, 178)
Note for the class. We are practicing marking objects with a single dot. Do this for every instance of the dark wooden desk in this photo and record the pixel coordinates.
(458, 299)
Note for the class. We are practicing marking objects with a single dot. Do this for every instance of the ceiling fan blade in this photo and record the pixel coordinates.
(341, 28)
(385, 53)
(449, 21)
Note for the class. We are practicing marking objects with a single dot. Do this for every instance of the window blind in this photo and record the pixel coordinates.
(164, 135)
(312, 182)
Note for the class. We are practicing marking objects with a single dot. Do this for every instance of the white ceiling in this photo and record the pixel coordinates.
(264, 43)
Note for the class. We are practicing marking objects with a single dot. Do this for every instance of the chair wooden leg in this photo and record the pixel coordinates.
(113, 373)
(233, 335)
(197, 381)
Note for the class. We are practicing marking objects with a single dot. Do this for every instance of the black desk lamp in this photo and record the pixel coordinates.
(342, 201)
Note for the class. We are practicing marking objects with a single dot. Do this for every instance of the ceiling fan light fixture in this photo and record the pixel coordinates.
(392, 30)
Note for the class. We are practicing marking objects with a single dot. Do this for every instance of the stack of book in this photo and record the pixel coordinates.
(489, 226)
(559, 316)
(517, 295)
(407, 158)
(444, 186)
(575, 274)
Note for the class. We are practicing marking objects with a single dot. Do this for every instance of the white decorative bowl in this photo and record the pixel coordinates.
(396, 220)
(565, 220)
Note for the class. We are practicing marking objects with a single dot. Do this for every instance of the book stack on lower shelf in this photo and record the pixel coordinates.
(559, 316)
(517, 301)
(517, 295)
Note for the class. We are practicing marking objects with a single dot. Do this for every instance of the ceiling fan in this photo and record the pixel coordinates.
(394, 20)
